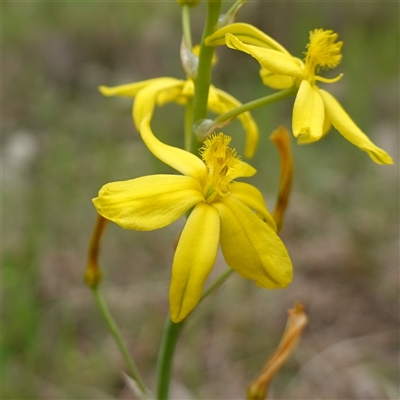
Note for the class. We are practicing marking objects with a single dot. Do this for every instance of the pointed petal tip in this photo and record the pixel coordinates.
(350, 131)
(194, 259)
(104, 90)
(389, 161)
(281, 284)
(178, 313)
(305, 138)
(380, 156)
(176, 316)
(243, 169)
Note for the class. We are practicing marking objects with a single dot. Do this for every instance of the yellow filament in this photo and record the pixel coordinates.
(328, 80)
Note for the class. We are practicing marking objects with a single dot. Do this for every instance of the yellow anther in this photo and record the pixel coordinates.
(220, 160)
(323, 51)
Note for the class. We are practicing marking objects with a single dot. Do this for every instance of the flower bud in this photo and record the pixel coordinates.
(297, 320)
(203, 128)
(230, 16)
(93, 276)
(190, 61)
(93, 273)
(280, 137)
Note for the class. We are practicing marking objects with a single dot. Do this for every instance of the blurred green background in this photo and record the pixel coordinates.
(62, 141)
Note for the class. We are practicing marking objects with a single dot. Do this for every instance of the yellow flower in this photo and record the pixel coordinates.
(223, 211)
(159, 91)
(314, 109)
(250, 35)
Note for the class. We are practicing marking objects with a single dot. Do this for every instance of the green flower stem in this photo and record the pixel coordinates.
(170, 339)
(202, 83)
(230, 15)
(234, 9)
(165, 357)
(188, 125)
(262, 101)
(217, 283)
(187, 35)
(112, 326)
(194, 112)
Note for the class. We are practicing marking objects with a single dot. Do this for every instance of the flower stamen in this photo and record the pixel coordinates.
(328, 80)
(322, 51)
(220, 160)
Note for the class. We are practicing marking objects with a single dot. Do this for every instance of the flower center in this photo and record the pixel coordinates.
(220, 162)
(323, 51)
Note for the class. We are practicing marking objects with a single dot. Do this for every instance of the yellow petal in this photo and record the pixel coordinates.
(327, 125)
(247, 34)
(308, 113)
(242, 169)
(179, 95)
(181, 160)
(252, 197)
(251, 247)
(272, 60)
(147, 98)
(213, 99)
(148, 202)
(251, 129)
(188, 88)
(194, 260)
(346, 126)
(276, 81)
(129, 90)
(172, 94)
(225, 102)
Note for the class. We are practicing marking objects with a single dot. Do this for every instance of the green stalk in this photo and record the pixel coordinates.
(112, 326)
(251, 105)
(203, 80)
(186, 26)
(193, 113)
(217, 283)
(233, 10)
(187, 36)
(165, 357)
(170, 339)
(188, 125)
